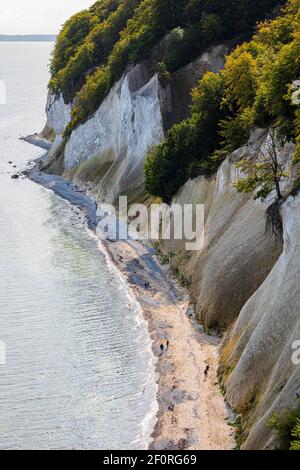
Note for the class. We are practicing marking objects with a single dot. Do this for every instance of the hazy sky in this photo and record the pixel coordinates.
(37, 16)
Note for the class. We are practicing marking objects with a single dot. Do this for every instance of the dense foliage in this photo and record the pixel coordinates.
(95, 46)
(169, 164)
(256, 90)
(287, 427)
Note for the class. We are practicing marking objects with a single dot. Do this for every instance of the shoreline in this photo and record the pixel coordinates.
(192, 413)
(148, 423)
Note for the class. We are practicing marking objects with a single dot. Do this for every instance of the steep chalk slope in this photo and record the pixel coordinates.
(58, 117)
(264, 377)
(108, 151)
(246, 282)
(237, 255)
(117, 138)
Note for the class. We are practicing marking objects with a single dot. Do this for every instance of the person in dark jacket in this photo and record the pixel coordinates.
(206, 373)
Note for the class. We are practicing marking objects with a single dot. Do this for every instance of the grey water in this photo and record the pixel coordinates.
(79, 370)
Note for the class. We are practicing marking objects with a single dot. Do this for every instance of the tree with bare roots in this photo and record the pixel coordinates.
(266, 175)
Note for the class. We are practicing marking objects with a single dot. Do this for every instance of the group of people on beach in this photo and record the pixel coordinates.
(162, 348)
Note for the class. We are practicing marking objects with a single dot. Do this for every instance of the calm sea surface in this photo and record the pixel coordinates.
(79, 370)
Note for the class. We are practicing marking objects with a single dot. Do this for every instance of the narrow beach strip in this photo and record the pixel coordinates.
(192, 413)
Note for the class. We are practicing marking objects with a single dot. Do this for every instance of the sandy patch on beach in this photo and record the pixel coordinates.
(192, 413)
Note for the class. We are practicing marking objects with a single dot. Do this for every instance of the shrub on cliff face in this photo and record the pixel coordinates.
(174, 48)
(266, 173)
(234, 132)
(164, 175)
(183, 44)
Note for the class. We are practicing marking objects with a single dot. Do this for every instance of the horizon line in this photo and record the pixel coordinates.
(28, 37)
(34, 34)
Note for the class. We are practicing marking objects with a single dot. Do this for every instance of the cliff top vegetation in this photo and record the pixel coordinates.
(254, 89)
(96, 45)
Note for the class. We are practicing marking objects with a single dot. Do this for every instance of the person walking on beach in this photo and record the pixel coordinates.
(206, 373)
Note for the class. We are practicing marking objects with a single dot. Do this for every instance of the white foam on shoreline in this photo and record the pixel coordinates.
(147, 425)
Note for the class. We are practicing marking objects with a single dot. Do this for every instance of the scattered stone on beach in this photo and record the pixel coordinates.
(10, 163)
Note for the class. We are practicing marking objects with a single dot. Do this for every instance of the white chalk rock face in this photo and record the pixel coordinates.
(58, 117)
(247, 283)
(58, 113)
(110, 148)
(264, 372)
(107, 153)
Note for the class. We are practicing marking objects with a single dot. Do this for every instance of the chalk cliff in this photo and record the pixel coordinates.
(258, 350)
(243, 282)
(108, 151)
